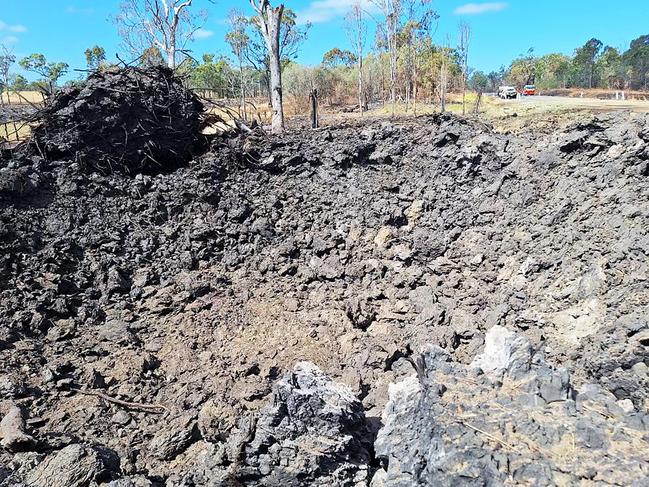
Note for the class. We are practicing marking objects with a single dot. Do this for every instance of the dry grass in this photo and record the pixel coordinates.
(22, 97)
(625, 445)
(14, 131)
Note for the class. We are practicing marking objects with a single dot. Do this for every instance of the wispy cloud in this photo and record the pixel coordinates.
(17, 28)
(480, 8)
(71, 9)
(321, 11)
(203, 34)
(9, 40)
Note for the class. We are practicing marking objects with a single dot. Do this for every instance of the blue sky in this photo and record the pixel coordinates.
(63, 29)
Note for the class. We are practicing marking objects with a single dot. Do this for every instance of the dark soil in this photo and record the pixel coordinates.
(122, 120)
(351, 247)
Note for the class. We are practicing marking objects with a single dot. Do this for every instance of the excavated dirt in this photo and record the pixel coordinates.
(189, 293)
(122, 120)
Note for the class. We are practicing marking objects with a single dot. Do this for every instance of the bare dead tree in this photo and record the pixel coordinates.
(165, 24)
(463, 48)
(391, 11)
(269, 21)
(419, 19)
(443, 74)
(357, 32)
(239, 42)
(7, 59)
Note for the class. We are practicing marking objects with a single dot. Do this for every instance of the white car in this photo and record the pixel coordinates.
(507, 92)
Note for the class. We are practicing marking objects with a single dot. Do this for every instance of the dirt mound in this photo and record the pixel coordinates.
(122, 120)
(187, 294)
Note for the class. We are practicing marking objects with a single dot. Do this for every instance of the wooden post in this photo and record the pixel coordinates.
(476, 108)
(313, 98)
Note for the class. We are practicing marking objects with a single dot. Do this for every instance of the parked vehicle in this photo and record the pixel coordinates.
(507, 92)
(529, 90)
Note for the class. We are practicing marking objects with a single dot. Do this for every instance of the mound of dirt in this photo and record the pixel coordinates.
(153, 317)
(122, 120)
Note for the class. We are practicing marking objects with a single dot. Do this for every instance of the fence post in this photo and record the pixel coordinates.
(313, 98)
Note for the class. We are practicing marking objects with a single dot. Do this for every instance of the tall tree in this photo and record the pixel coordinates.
(391, 11)
(357, 32)
(444, 72)
(337, 57)
(419, 17)
(610, 69)
(291, 37)
(495, 79)
(95, 57)
(239, 42)
(637, 59)
(585, 60)
(523, 69)
(51, 72)
(463, 48)
(214, 74)
(20, 83)
(165, 24)
(7, 59)
(269, 20)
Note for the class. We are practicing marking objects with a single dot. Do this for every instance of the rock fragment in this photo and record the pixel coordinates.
(75, 466)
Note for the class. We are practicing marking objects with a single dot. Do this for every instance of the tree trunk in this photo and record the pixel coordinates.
(313, 100)
(414, 87)
(360, 83)
(393, 75)
(464, 94)
(442, 82)
(268, 88)
(271, 35)
(243, 91)
(171, 50)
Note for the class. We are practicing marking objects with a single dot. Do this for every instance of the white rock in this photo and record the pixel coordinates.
(504, 351)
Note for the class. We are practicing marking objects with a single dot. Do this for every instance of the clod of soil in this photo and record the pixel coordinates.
(122, 121)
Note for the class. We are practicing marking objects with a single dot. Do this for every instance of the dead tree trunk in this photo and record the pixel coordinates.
(242, 88)
(361, 106)
(391, 10)
(270, 19)
(443, 80)
(313, 99)
(465, 35)
(171, 53)
(357, 30)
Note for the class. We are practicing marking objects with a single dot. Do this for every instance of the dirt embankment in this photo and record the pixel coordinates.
(187, 294)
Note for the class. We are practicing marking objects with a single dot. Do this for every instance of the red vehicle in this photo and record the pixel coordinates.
(529, 90)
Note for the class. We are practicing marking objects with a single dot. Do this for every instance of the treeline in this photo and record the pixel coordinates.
(592, 65)
(400, 63)
(336, 77)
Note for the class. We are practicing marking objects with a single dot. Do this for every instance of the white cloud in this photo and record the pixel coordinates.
(321, 11)
(9, 40)
(12, 28)
(71, 9)
(203, 34)
(480, 8)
